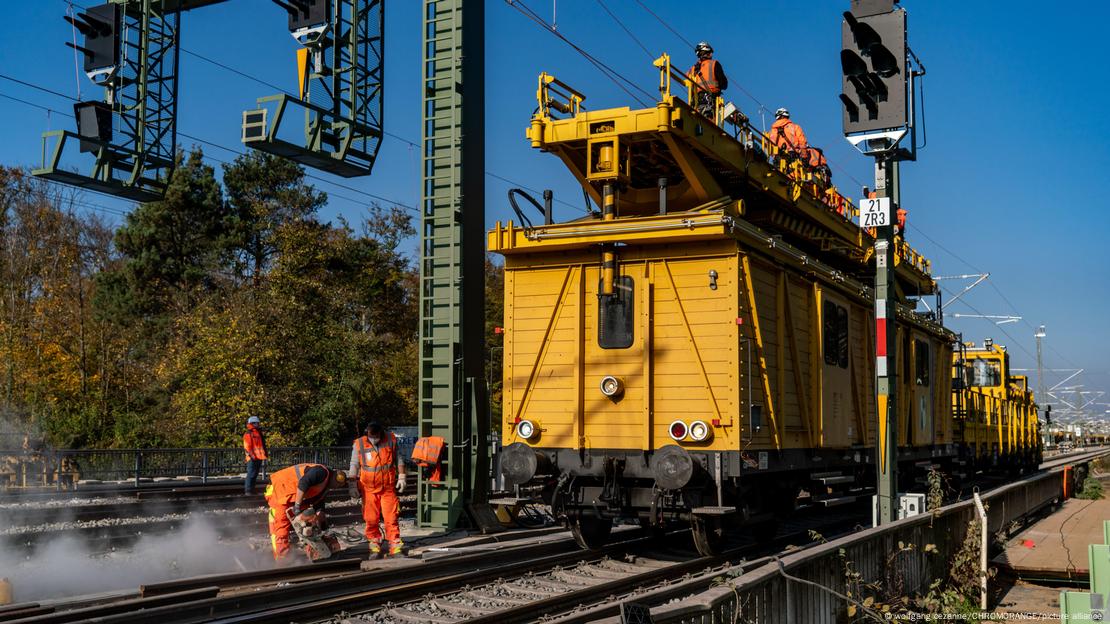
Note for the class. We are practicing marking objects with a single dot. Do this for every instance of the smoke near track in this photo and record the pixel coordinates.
(66, 567)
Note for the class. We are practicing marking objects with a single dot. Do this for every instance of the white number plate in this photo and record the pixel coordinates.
(874, 212)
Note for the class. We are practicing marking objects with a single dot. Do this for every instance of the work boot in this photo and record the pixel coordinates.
(395, 548)
(375, 550)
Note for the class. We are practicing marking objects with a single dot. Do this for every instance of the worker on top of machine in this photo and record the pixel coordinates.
(254, 445)
(709, 79)
(381, 476)
(293, 489)
(788, 138)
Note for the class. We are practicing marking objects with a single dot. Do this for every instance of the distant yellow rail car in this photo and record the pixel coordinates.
(702, 349)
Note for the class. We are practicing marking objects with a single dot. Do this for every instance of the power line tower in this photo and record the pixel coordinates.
(1041, 394)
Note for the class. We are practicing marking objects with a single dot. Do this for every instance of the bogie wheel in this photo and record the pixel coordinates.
(589, 532)
(708, 534)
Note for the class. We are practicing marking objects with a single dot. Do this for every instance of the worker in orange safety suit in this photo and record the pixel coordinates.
(788, 136)
(254, 445)
(709, 79)
(820, 165)
(296, 488)
(381, 476)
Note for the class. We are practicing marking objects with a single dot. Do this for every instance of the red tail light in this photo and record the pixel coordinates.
(678, 430)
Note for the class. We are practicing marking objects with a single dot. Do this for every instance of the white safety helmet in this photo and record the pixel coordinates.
(253, 420)
(703, 48)
(782, 112)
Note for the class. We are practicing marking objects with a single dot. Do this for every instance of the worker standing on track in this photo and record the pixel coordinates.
(788, 137)
(254, 445)
(296, 488)
(709, 79)
(381, 476)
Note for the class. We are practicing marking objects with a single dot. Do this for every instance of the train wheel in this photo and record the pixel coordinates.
(589, 532)
(708, 534)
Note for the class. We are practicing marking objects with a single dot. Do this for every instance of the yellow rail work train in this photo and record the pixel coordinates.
(702, 350)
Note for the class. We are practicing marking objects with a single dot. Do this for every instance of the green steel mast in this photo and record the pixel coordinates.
(452, 268)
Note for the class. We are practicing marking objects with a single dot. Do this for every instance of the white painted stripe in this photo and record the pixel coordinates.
(880, 308)
(880, 366)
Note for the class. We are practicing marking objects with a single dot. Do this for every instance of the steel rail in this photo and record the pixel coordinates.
(488, 569)
(703, 569)
(119, 609)
(368, 585)
(257, 577)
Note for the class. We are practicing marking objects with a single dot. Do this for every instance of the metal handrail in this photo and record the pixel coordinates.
(63, 468)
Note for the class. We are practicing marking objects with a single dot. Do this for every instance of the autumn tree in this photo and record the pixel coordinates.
(57, 357)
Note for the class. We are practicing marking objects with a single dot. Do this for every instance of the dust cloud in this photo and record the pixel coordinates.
(68, 567)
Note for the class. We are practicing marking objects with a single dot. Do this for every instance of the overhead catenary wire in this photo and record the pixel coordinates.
(631, 35)
(662, 21)
(211, 144)
(610, 73)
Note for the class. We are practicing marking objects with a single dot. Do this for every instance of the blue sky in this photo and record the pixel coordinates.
(1009, 183)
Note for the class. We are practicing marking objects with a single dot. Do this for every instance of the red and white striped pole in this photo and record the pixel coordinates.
(886, 346)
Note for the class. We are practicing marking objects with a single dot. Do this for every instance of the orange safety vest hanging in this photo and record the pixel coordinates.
(704, 75)
(377, 463)
(428, 453)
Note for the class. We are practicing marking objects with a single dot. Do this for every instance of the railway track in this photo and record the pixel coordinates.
(519, 581)
(115, 524)
(481, 581)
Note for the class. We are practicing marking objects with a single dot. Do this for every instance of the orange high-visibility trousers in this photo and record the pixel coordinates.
(380, 506)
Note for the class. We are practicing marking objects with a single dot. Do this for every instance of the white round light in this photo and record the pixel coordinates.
(525, 429)
(699, 431)
(611, 386)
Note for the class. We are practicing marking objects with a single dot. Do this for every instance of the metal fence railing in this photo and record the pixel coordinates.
(766, 595)
(64, 468)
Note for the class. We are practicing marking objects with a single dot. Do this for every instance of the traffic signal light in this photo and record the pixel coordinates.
(94, 120)
(100, 26)
(873, 63)
(305, 14)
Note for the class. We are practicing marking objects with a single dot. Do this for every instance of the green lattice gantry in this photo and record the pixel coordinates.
(132, 50)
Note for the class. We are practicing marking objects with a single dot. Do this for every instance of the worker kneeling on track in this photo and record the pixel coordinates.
(292, 490)
(381, 476)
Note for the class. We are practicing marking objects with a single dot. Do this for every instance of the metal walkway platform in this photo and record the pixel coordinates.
(1055, 548)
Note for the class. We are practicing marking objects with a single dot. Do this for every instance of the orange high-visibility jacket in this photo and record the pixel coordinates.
(283, 486)
(377, 464)
(704, 75)
(254, 444)
(787, 135)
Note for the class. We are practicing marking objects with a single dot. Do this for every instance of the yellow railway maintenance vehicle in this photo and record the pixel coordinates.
(702, 350)
(994, 410)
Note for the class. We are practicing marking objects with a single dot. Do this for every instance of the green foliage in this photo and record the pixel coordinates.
(171, 248)
(495, 317)
(217, 303)
(1092, 489)
(265, 193)
(935, 495)
(957, 594)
